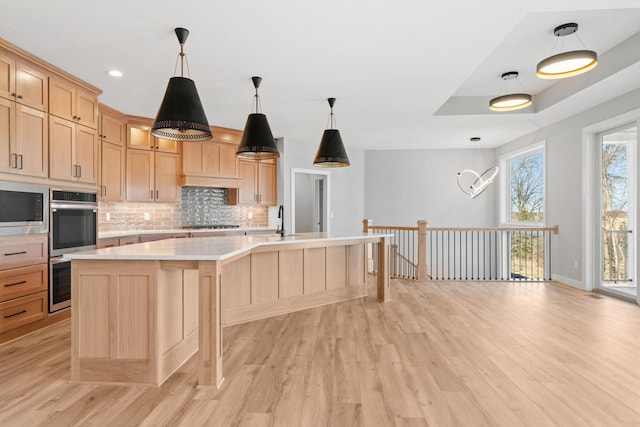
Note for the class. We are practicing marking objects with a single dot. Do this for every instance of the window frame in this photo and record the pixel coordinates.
(505, 184)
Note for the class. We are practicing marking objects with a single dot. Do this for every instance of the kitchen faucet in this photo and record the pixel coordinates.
(280, 229)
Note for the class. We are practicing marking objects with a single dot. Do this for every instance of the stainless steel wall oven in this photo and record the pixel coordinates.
(74, 227)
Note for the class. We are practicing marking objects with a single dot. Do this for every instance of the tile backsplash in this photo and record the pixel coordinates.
(199, 206)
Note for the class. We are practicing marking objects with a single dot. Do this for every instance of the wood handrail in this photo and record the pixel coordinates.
(391, 227)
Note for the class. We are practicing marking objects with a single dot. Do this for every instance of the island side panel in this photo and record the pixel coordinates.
(210, 325)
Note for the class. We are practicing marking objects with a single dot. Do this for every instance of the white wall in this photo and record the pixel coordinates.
(403, 186)
(304, 202)
(346, 184)
(564, 182)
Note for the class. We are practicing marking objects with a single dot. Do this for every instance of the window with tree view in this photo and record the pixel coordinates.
(526, 186)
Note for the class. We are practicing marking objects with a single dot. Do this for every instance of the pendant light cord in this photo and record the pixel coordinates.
(182, 57)
(256, 103)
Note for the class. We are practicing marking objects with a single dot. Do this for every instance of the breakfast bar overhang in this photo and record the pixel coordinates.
(139, 312)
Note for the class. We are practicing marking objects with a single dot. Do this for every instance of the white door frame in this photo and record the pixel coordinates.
(327, 192)
(591, 274)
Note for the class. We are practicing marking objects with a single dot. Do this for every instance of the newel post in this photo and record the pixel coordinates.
(422, 250)
(365, 225)
(369, 249)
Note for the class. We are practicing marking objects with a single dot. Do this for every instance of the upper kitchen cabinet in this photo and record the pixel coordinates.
(258, 185)
(24, 140)
(152, 176)
(69, 101)
(73, 151)
(25, 84)
(212, 163)
(139, 136)
(112, 125)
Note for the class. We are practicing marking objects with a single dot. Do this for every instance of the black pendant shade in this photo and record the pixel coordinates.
(331, 152)
(257, 140)
(181, 116)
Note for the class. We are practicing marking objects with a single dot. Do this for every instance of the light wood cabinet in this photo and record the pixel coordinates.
(24, 280)
(22, 83)
(112, 172)
(108, 242)
(258, 182)
(24, 140)
(139, 136)
(70, 102)
(210, 159)
(112, 126)
(152, 176)
(73, 151)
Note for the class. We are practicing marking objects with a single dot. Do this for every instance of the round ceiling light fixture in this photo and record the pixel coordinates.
(567, 64)
(512, 101)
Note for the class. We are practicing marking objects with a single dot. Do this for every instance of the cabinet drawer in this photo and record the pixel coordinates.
(22, 251)
(129, 240)
(19, 282)
(21, 311)
(108, 242)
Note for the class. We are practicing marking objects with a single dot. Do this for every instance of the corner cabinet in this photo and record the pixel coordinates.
(153, 165)
(258, 185)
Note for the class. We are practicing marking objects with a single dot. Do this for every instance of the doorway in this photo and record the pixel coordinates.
(310, 201)
(618, 165)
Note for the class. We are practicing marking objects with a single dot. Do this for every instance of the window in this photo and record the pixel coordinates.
(523, 186)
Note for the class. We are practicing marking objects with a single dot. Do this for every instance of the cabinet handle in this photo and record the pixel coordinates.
(104, 190)
(21, 164)
(109, 246)
(15, 314)
(79, 171)
(13, 94)
(151, 191)
(19, 96)
(74, 171)
(79, 119)
(15, 253)
(14, 161)
(15, 284)
(157, 194)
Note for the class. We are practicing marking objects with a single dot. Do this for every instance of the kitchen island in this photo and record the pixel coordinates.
(140, 311)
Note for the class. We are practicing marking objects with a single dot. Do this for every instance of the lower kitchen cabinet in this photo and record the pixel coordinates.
(22, 311)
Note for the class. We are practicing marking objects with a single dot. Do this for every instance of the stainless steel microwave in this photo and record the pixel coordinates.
(24, 208)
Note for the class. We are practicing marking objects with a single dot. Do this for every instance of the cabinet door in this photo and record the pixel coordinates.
(61, 145)
(228, 160)
(267, 184)
(112, 128)
(138, 136)
(31, 87)
(165, 145)
(62, 98)
(86, 110)
(167, 176)
(86, 154)
(7, 77)
(7, 135)
(247, 191)
(112, 178)
(32, 141)
(193, 158)
(139, 176)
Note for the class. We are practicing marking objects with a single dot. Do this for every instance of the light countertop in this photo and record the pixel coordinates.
(209, 248)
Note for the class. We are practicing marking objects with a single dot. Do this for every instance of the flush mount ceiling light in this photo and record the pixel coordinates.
(257, 140)
(567, 64)
(512, 101)
(473, 183)
(331, 152)
(181, 116)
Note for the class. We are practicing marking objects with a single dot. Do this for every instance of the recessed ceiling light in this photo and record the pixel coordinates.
(115, 73)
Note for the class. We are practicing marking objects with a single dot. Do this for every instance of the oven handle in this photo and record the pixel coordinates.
(91, 206)
(58, 260)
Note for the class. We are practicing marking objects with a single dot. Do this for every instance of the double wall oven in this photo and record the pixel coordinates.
(73, 227)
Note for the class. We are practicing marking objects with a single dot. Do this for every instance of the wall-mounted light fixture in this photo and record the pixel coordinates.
(331, 152)
(181, 116)
(257, 140)
(567, 64)
(511, 101)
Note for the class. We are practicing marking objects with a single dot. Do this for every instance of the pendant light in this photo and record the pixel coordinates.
(181, 116)
(473, 183)
(567, 64)
(257, 140)
(331, 152)
(512, 101)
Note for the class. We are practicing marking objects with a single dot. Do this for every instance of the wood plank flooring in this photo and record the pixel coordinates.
(439, 354)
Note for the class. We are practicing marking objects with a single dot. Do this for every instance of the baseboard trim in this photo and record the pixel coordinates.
(570, 282)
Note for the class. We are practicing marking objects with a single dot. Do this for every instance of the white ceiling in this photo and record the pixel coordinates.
(406, 74)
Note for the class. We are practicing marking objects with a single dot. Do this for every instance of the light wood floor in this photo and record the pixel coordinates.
(439, 354)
